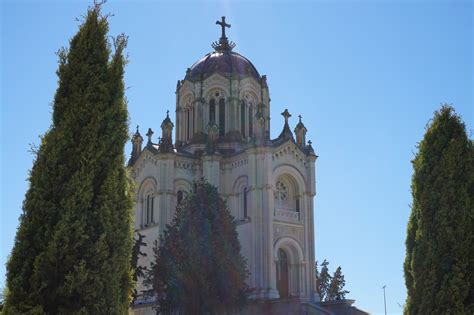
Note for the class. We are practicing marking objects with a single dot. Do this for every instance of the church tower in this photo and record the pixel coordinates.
(222, 133)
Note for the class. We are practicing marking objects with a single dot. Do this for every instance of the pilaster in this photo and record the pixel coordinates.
(260, 164)
(211, 166)
(166, 193)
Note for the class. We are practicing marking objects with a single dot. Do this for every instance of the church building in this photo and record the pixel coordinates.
(222, 133)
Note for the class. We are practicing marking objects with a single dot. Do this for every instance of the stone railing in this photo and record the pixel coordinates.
(290, 216)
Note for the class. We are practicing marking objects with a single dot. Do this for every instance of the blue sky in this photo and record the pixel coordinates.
(365, 75)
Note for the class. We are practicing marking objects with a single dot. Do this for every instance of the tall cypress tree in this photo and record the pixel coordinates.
(324, 281)
(198, 266)
(439, 260)
(73, 247)
(336, 289)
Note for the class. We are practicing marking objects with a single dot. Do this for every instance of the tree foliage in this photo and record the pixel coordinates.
(330, 288)
(324, 280)
(336, 288)
(439, 259)
(73, 245)
(138, 270)
(198, 266)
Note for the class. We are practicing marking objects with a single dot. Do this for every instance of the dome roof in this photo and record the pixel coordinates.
(227, 63)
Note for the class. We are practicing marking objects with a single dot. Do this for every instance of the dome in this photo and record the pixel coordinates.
(227, 63)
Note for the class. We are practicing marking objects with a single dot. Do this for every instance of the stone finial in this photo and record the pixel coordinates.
(300, 131)
(287, 115)
(264, 80)
(286, 132)
(309, 147)
(149, 134)
(166, 140)
(137, 141)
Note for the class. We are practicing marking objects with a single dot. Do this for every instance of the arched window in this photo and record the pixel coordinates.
(149, 209)
(221, 117)
(188, 124)
(250, 120)
(212, 111)
(245, 202)
(242, 119)
(180, 196)
(281, 193)
(287, 194)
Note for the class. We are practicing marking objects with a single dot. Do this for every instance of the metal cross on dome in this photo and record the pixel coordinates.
(223, 25)
(223, 44)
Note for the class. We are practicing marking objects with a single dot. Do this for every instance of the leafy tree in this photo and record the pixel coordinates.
(439, 259)
(3, 295)
(138, 271)
(329, 288)
(324, 280)
(336, 288)
(73, 246)
(198, 266)
(317, 275)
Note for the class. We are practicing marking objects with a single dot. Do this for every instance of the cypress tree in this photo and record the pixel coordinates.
(198, 266)
(324, 281)
(317, 276)
(336, 288)
(72, 249)
(439, 259)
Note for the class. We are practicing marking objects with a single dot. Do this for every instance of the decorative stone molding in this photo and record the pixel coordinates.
(289, 216)
(291, 151)
(240, 163)
(283, 230)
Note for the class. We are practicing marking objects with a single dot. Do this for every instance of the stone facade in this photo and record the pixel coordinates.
(222, 134)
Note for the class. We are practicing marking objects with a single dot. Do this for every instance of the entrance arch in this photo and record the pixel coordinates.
(282, 274)
(289, 267)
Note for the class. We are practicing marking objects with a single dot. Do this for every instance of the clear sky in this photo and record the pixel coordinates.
(365, 75)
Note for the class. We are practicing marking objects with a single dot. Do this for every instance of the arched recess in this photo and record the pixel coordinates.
(146, 213)
(215, 108)
(181, 187)
(247, 112)
(289, 273)
(289, 188)
(242, 198)
(186, 117)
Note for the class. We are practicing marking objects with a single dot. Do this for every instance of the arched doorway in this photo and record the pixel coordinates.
(282, 274)
(289, 268)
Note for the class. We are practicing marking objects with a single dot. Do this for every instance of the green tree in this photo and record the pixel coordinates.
(73, 246)
(317, 275)
(3, 295)
(336, 288)
(198, 265)
(324, 280)
(439, 259)
(138, 271)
